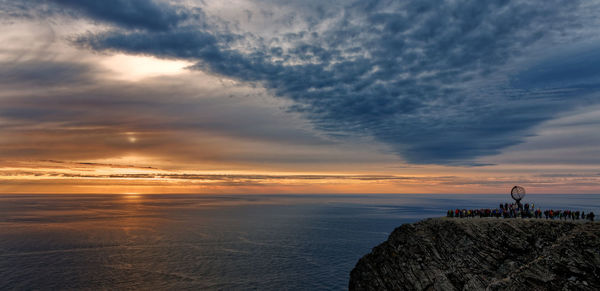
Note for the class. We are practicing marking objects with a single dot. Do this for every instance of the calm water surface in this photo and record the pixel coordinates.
(239, 242)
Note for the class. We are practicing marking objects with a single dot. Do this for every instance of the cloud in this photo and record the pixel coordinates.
(571, 68)
(569, 140)
(145, 14)
(72, 110)
(83, 173)
(425, 77)
(44, 74)
(439, 82)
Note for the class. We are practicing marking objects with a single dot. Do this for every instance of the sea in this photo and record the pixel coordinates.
(211, 242)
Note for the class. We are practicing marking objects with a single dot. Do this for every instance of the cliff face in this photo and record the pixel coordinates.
(476, 254)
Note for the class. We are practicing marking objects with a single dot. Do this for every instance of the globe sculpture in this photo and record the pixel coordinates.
(517, 193)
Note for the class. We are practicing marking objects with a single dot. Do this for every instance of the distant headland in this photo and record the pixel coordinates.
(513, 247)
(484, 254)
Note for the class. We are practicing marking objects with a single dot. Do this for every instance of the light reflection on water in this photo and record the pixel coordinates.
(275, 242)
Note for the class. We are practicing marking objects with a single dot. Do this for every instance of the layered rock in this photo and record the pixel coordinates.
(484, 253)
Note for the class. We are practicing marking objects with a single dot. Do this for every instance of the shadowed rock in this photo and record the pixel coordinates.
(484, 254)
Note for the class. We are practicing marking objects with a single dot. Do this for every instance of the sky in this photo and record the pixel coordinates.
(279, 96)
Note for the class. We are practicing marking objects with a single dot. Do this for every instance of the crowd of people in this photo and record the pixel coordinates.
(514, 210)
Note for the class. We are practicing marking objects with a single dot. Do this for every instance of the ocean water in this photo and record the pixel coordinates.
(192, 242)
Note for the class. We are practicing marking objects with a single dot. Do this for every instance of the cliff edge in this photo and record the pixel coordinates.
(484, 254)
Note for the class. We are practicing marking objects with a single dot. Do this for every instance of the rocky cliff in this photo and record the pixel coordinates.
(484, 253)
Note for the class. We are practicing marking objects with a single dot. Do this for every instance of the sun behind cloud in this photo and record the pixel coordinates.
(136, 67)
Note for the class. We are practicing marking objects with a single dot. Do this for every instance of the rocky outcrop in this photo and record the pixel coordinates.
(484, 254)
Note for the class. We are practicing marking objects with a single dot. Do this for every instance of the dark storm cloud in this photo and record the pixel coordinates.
(147, 14)
(180, 43)
(574, 68)
(132, 14)
(427, 77)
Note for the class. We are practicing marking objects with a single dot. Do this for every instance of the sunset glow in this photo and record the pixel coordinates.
(204, 98)
(136, 68)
